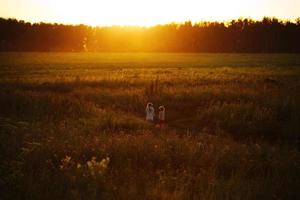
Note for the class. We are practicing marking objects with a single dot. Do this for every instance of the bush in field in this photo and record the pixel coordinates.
(83, 180)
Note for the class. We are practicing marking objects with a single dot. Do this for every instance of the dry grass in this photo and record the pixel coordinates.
(232, 129)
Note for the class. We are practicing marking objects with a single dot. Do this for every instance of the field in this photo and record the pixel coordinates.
(72, 126)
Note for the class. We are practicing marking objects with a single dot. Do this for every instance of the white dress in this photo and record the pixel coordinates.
(149, 113)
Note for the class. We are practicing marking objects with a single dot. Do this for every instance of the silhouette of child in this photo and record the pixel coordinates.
(150, 113)
(161, 116)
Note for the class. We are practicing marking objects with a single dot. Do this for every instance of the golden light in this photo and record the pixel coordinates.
(145, 12)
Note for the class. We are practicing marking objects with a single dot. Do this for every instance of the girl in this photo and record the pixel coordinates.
(150, 112)
(161, 116)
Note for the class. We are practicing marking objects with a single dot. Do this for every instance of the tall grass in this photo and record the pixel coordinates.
(75, 129)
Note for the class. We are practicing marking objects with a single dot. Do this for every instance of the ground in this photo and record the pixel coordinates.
(72, 126)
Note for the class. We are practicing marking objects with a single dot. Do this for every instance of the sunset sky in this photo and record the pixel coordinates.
(145, 12)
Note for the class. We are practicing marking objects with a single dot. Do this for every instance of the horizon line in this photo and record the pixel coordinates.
(297, 19)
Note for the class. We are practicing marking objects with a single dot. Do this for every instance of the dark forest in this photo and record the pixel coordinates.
(269, 35)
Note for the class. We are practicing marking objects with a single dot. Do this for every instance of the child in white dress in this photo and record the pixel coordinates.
(150, 113)
(161, 116)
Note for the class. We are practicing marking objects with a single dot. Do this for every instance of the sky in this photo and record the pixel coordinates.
(145, 12)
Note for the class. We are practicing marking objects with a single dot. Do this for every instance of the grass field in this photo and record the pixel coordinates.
(72, 126)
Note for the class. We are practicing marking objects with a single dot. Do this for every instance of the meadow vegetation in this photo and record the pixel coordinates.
(72, 126)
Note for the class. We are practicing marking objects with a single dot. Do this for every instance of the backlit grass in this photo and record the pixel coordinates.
(72, 126)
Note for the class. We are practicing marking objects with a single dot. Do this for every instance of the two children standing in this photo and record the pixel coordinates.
(150, 113)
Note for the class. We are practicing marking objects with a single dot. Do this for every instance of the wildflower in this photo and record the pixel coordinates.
(104, 163)
(97, 167)
(66, 162)
(89, 164)
(67, 159)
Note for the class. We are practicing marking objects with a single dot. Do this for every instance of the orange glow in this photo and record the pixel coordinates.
(145, 13)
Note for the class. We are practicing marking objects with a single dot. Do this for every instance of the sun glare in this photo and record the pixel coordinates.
(145, 12)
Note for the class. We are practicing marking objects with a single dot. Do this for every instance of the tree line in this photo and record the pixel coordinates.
(270, 35)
